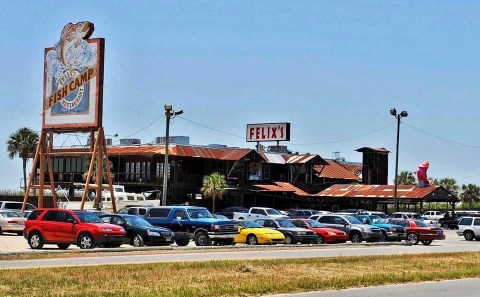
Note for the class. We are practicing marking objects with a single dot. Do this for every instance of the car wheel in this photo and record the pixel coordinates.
(35, 240)
(288, 239)
(138, 241)
(182, 242)
(356, 237)
(63, 246)
(413, 238)
(85, 241)
(202, 239)
(252, 240)
(468, 235)
(383, 238)
(427, 242)
(320, 240)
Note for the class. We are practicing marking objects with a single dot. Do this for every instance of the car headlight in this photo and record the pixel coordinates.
(215, 227)
(364, 229)
(392, 229)
(107, 229)
(331, 233)
(153, 233)
(271, 234)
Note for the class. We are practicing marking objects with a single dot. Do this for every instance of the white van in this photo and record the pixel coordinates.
(15, 205)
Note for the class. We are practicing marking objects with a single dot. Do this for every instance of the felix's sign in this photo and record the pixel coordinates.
(268, 132)
(73, 79)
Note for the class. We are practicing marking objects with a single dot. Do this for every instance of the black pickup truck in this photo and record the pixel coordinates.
(191, 222)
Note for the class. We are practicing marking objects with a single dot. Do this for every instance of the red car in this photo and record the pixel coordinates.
(325, 235)
(418, 230)
(64, 227)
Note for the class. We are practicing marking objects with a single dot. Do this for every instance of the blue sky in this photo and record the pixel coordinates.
(333, 69)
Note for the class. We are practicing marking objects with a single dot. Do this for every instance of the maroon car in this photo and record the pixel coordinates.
(64, 227)
(419, 231)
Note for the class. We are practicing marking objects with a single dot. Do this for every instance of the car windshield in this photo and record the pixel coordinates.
(378, 220)
(285, 223)
(199, 213)
(272, 211)
(353, 220)
(87, 217)
(315, 224)
(249, 224)
(421, 223)
(137, 222)
(9, 214)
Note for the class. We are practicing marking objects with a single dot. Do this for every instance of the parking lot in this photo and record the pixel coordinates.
(10, 243)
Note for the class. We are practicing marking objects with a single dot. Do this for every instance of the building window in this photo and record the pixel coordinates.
(266, 172)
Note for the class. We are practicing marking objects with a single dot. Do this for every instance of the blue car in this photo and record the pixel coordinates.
(389, 231)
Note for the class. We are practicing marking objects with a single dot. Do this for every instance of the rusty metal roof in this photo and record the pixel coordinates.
(283, 187)
(335, 170)
(377, 191)
(182, 151)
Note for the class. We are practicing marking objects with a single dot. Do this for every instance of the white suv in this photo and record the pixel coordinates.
(469, 227)
(433, 215)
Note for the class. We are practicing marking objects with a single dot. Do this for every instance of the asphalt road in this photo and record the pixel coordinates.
(452, 243)
(463, 287)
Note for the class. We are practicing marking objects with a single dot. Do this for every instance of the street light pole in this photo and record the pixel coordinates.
(169, 113)
(393, 112)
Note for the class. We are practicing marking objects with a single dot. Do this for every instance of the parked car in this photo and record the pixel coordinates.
(11, 222)
(15, 205)
(389, 230)
(219, 216)
(375, 213)
(469, 227)
(292, 234)
(193, 222)
(139, 231)
(356, 231)
(252, 233)
(301, 213)
(433, 214)
(419, 231)
(450, 222)
(350, 211)
(258, 213)
(430, 222)
(404, 215)
(64, 227)
(228, 212)
(98, 213)
(325, 235)
(134, 210)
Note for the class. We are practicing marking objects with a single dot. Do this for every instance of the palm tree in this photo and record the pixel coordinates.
(22, 143)
(214, 186)
(470, 194)
(406, 178)
(450, 184)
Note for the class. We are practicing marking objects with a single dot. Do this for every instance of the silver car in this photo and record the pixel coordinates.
(356, 230)
(12, 222)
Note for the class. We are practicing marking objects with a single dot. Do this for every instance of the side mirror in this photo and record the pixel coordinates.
(71, 220)
(240, 227)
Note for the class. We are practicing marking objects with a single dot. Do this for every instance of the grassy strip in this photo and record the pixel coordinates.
(238, 278)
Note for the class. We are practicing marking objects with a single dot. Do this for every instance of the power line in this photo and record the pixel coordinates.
(441, 138)
(156, 120)
(183, 118)
(346, 139)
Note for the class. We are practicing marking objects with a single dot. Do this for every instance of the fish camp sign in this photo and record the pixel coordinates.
(73, 80)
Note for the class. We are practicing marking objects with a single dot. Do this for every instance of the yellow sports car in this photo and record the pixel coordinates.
(252, 233)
